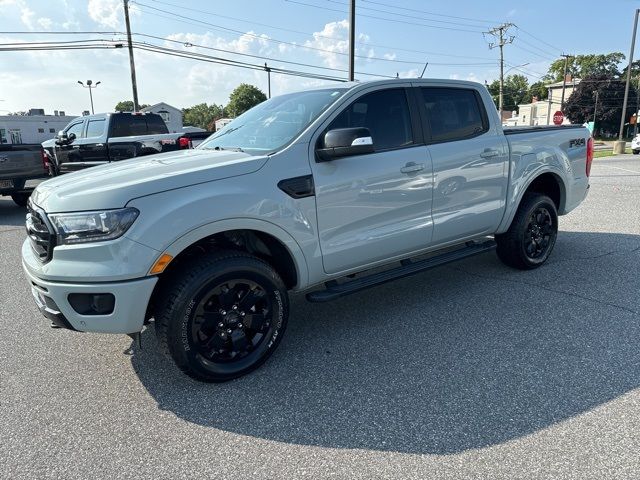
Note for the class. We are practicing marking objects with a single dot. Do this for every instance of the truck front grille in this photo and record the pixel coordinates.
(40, 233)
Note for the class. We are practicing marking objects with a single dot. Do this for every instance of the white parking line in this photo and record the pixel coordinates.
(617, 168)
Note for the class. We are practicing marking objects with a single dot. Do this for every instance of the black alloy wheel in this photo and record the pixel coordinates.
(539, 233)
(223, 315)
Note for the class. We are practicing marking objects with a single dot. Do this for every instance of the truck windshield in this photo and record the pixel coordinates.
(273, 123)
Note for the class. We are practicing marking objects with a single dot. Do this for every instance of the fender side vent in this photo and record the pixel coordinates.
(298, 187)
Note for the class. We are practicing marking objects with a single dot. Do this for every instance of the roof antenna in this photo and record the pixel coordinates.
(424, 69)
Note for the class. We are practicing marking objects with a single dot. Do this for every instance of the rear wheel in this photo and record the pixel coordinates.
(223, 316)
(532, 234)
(21, 198)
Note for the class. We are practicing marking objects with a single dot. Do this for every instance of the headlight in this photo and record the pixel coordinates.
(83, 227)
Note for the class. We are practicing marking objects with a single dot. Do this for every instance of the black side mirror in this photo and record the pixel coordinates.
(61, 138)
(344, 142)
(71, 137)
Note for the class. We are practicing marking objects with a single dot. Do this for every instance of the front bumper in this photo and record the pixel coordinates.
(131, 300)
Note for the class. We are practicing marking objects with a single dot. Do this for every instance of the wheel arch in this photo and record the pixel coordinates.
(262, 239)
(549, 183)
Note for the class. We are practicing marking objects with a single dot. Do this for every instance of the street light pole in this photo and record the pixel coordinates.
(90, 85)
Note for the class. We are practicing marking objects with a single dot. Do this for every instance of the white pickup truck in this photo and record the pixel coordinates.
(339, 187)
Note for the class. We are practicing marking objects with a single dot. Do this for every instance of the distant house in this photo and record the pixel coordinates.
(222, 122)
(540, 112)
(36, 127)
(172, 116)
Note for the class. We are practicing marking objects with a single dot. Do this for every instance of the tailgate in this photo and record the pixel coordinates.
(21, 162)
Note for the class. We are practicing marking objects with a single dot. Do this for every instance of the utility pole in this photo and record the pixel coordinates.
(134, 84)
(564, 78)
(635, 126)
(352, 40)
(619, 146)
(499, 33)
(595, 111)
(268, 70)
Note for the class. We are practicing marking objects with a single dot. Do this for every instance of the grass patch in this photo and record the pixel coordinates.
(607, 153)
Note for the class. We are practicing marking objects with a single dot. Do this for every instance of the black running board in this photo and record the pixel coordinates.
(407, 267)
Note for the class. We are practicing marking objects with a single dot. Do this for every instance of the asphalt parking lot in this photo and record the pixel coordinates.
(467, 371)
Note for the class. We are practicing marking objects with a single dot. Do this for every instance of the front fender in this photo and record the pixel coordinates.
(257, 225)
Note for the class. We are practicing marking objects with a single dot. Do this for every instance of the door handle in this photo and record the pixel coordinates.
(412, 167)
(99, 144)
(488, 153)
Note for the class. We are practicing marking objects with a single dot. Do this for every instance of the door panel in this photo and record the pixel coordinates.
(376, 206)
(71, 152)
(470, 164)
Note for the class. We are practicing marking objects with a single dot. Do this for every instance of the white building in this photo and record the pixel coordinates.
(222, 122)
(172, 116)
(36, 127)
(540, 112)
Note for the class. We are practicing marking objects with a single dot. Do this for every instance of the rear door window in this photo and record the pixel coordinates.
(454, 113)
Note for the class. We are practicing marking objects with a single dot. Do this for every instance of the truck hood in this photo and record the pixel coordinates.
(115, 184)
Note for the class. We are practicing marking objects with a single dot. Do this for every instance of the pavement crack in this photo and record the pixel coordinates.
(548, 289)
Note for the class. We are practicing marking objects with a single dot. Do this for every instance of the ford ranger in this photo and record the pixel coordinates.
(328, 191)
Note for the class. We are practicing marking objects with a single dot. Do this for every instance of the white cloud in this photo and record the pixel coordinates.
(26, 15)
(109, 13)
(390, 56)
(412, 73)
(332, 44)
(45, 23)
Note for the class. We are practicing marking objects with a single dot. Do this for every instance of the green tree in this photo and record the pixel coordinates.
(202, 115)
(583, 66)
(540, 90)
(243, 98)
(515, 92)
(580, 106)
(127, 106)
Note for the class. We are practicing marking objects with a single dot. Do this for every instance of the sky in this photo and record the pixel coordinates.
(394, 37)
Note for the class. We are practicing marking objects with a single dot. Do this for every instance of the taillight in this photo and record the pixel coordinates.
(184, 142)
(45, 160)
(589, 155)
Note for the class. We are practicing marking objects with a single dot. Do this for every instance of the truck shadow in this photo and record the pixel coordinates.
(11, 215)
(461, 357)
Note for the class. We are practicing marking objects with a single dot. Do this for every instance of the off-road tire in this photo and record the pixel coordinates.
(20, 198)
(512, 245)
(187, 288)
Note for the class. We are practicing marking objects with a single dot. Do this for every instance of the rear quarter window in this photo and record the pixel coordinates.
(127, 125)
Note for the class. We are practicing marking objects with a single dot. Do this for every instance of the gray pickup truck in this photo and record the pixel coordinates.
(328, 191)
(110, 137)
(18, 164)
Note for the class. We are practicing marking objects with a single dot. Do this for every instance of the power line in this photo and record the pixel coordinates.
(281, 42)
(384, 19)
(429, 13)
(409, 16)
(314, 35)
(538, 39)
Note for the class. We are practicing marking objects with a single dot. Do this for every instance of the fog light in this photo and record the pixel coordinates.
(92, 303)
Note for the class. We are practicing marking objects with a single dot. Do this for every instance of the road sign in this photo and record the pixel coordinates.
(558, 118)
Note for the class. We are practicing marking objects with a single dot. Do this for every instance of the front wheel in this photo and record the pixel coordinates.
(21, 198)
(532, 234)
(635, 152)
(223, 315)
